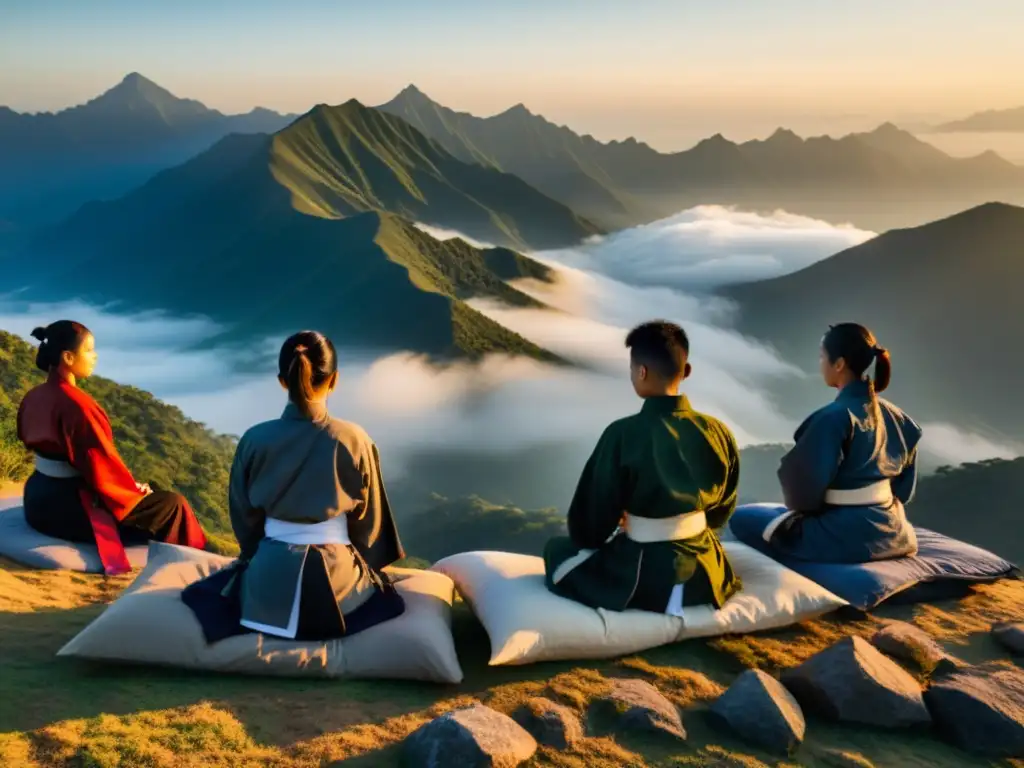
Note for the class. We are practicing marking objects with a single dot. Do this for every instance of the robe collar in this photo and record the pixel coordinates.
(665, 404)
(318, 408)
(855, 390)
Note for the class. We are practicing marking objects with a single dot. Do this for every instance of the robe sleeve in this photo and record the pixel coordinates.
(719, 514)
(810, 466)
(600, 497)
(247, 522)
(373, 529)
(89, 443)
(904, 485)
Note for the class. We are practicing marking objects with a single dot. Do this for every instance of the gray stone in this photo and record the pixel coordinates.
(853, 682)
(467, 738)
(551, 724)
(760, 710)
(636, 705)
(981, 710)
(1010, 635)
(908, 643)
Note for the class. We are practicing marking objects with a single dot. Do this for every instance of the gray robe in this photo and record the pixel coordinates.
(856, 440)
(304, 470)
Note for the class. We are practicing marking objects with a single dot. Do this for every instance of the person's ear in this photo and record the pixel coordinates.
(283, 383)
(642, 373)
(687, 370)
(67, 357)
(332, 382)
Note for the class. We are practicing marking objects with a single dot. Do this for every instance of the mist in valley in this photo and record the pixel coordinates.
(516, 430)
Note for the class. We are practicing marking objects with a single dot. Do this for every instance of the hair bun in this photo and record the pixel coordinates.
(39, 333)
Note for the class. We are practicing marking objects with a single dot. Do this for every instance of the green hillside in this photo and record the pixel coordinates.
(157, 441)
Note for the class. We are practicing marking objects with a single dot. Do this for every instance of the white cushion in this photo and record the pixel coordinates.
(150, 624)
(24, 544)
(527, 623)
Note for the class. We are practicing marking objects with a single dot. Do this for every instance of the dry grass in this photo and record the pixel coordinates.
(58, 713)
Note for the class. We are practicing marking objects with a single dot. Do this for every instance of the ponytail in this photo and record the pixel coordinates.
(300, 381)
(306, 363)
(883, 369)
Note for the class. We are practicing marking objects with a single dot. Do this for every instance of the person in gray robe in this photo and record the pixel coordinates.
(311, 515)
(854, 466)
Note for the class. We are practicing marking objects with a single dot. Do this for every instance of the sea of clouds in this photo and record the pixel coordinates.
(502, 405)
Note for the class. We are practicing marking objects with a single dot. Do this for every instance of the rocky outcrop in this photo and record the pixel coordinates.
(853, 682)
(467, 738)
(908, 643)
(551, 724)
(636, 705)
(760, 710)
(1011, 636)
(981, 710)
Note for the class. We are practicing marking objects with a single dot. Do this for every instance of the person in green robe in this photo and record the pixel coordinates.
(659, 483)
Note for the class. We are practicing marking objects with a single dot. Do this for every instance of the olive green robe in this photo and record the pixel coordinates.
(664, 461)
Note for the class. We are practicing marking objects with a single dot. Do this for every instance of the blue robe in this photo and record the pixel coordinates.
(855, 441)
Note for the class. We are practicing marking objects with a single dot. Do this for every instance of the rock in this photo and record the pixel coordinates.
(906, 642)
(1010, 635)
(760, 710)
(981, 710)
(551, 724)
(466, 738)
(851, 681)
(636, 705)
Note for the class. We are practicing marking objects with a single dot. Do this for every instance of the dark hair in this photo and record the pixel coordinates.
(57, 338)
(661, 346)
(859, 348)
(306, 362)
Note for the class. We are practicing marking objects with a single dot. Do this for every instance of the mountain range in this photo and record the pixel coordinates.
(308, 228)
(54, 162)
(991, 120)
(944, 298)
(880, 179)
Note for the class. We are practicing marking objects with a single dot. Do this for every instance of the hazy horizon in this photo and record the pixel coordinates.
(665, 73)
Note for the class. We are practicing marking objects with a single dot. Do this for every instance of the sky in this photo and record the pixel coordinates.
(666, 71)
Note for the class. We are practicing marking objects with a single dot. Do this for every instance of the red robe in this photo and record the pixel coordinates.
(58, 419)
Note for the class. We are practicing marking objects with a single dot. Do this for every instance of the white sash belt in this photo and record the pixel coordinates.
(646, 530)
(54, 468)
(332, 531)
(643, 530)
(876, 493)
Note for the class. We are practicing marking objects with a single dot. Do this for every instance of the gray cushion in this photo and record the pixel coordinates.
(149, 624)
(23, 544)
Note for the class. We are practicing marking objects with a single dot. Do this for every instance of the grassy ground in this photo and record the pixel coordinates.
(56, 712)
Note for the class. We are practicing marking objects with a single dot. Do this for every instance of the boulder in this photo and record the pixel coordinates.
(908, 643)
(760, 710)
(636, 705)
(981, 710)
(853, 682)
(551, 724)
(466, 738)
(1010, 635)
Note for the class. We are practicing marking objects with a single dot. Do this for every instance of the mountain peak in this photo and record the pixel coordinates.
(519, 110)
(784, 136)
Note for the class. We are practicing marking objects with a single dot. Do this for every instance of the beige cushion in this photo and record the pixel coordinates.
(149, 624)
(527, 623)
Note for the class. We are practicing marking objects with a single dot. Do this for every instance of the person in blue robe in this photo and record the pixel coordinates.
(853, 469)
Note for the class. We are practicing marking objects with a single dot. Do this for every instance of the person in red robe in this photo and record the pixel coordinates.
(81, 490)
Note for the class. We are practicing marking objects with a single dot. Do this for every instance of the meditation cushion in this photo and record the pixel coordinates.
(150, 624)
(25, 545)
(942, 567)
(527, 623)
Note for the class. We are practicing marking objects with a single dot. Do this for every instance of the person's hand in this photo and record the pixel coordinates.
(144, 487)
